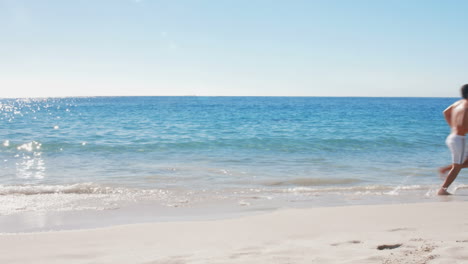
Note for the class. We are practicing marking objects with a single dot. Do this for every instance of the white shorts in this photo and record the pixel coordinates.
(457, 145)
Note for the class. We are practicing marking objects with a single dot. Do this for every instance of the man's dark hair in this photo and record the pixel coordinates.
(464, 91)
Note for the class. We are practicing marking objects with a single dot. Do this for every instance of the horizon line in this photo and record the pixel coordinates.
(305, 96)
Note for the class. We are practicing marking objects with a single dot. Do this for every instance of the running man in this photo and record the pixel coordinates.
(456, 116)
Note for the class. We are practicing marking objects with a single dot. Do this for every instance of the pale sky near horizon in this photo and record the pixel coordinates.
(236, 47)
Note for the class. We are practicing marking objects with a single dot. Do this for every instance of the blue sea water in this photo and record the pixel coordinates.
(100, 153)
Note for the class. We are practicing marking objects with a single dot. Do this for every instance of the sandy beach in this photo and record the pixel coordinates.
(399, 233)
(222, 132)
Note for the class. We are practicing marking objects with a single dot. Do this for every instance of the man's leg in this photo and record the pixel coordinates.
(444, 170)
(452, 175)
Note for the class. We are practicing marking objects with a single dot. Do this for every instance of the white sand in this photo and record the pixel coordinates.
(428, 233)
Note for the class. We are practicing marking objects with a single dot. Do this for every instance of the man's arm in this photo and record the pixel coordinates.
(448, 115)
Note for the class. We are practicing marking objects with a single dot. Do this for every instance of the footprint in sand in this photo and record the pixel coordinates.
(390, 246)
(401, 229)
(347, 242)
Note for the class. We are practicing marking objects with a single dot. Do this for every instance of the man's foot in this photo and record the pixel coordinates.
(443, 191)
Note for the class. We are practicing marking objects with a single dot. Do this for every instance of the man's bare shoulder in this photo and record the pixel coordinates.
(460, 107)
(460, 104)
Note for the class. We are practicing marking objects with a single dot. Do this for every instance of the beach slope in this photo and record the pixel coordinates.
(400, 233)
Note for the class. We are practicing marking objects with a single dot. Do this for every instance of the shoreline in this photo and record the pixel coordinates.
(410, 233)
(153, 211)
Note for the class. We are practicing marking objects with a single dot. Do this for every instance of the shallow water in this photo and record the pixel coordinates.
(108, 153)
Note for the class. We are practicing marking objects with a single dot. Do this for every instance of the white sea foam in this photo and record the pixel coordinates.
(79, 188)
(74, 197)
(359, 190)
(12, 204)
(311, 182)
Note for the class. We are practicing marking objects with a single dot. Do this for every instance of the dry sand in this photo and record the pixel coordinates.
(408, 233)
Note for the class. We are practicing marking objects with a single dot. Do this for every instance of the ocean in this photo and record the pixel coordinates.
(130, 159)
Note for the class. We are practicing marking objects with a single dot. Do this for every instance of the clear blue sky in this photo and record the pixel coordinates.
(235, 47)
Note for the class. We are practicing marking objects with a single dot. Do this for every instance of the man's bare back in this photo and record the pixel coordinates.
(456, 116)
